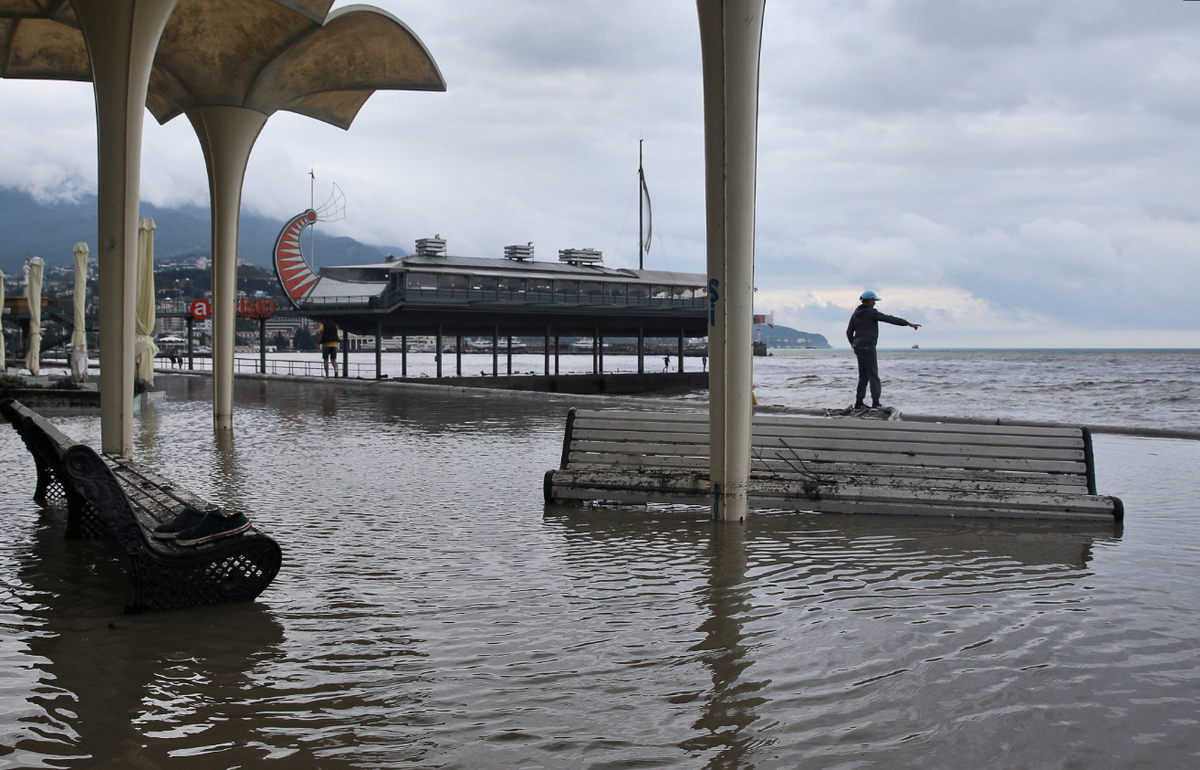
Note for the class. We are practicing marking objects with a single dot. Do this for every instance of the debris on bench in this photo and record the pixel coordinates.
(839, 465)
(179, 549)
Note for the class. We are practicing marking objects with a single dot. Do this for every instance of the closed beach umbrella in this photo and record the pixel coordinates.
(3, 360)
(144, 348)
(79, 335)
(33, 293)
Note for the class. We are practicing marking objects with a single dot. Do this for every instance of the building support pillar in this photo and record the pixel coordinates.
(458, 354)
(546, 351)
(227, 135)
(379, 351)
(641, 350)
(438, 355)
(730, 40)
(121, 38)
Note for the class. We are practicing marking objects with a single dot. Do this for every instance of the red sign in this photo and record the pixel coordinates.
(201, 309)
(255, 308)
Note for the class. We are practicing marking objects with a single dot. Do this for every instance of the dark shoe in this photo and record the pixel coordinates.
(214, 525)
(859, 406)
(189, 518)
(877, 406)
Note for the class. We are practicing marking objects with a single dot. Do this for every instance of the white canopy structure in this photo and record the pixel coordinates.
(33, 294)
(144, 349)
(79, 356)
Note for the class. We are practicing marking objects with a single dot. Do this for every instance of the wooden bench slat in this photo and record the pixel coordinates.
(681, 419)
(963, 460)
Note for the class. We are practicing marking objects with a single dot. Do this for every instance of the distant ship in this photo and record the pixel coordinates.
(916, 347)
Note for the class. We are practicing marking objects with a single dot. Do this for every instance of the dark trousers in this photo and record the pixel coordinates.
(868, 374)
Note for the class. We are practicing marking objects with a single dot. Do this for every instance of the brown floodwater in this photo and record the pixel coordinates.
(432, 613)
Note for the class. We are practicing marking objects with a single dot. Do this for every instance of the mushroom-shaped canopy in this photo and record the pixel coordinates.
(262, 55)
(40, 39)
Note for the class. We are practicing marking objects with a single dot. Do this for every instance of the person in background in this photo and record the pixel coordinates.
(863, 333)
(327, 337)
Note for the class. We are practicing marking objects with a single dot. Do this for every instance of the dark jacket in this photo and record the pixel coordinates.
(329, 333)
(863, 330)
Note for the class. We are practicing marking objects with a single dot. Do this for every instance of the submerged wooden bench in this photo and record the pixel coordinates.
(111, 495)
(839, 465)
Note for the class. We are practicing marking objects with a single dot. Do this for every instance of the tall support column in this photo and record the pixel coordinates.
(121, 37)
(262, 345)
(190, 354)
(641, 350)
(227, 135)
(546, 349)
(730, 40)
(596, 350)
(681, 351)
(496, 351)
(345, 354)
(404, 355)
(509, 354)
(458, 355)
(556, 338)
(599, 352)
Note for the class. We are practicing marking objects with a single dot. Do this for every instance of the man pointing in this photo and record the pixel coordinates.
(863, 333)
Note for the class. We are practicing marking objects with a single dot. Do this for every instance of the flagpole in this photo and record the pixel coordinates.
(641, 228)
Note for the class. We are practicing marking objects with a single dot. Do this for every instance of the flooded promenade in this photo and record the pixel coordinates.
(432, 613)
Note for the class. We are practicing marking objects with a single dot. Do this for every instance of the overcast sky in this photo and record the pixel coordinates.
(1014, 174)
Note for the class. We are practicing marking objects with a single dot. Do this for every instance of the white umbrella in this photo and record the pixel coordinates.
(143, 346)
(33, 293)
(3, 360)
(79, 357)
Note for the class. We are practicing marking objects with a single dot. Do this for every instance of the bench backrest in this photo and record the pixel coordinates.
(813, 445)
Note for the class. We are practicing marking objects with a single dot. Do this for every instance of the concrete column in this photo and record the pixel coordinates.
(378, 351)
(641, 350)
(730, 39)
(121, 37)
(227, 135)
(404, 355)
(345, 354)
(681, 351)
(546, 350)
(458, 355)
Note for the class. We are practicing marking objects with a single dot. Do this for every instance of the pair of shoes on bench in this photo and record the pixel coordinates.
(192, 527)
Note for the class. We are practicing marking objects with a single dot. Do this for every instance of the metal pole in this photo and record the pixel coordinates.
(404, 356)
(546, 352)
(595, 349)
(262, 346)
(379, 351)
(641, 350)
(495, 351)
(600, 351)
(510, 355)
(730, 40)
(438, 356)
(556, 338)
(458, 354)
(681, 351)
(191, 361)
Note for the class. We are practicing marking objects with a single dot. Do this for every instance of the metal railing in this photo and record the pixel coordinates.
(356, 369)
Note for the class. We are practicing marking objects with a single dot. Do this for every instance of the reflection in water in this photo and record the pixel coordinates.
(730, 707)
(432, 613)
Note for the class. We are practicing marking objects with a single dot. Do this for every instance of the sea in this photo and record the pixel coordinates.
(434, 612)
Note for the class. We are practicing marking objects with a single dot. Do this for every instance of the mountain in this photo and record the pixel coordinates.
(785, 337)
(29, 228)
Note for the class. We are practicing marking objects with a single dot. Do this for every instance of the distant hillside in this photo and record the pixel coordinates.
(785, 337)
(50, 231)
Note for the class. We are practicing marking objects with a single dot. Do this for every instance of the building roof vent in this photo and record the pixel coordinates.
(431, 247)
(580, 256)
(519, 253)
